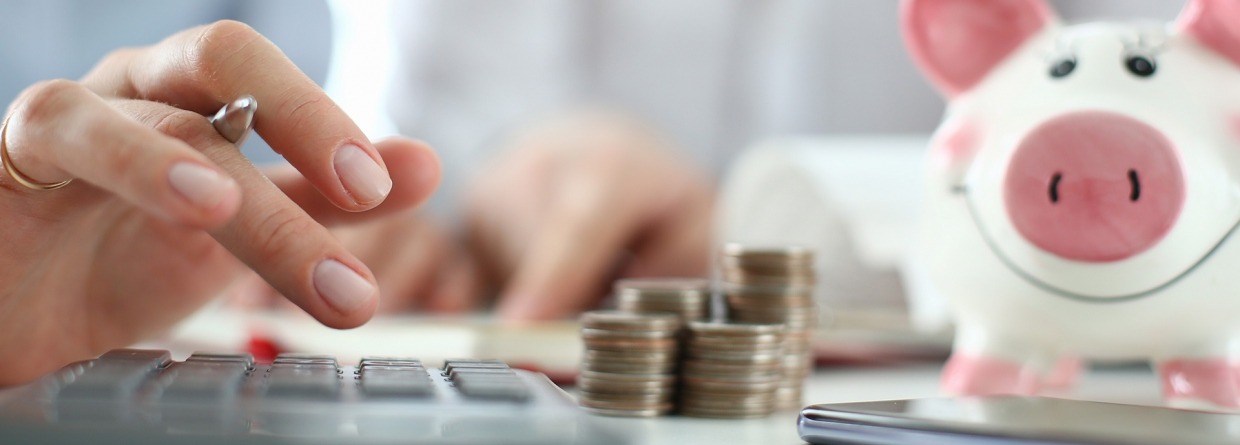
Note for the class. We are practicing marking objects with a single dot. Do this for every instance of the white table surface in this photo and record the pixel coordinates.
(852, 384)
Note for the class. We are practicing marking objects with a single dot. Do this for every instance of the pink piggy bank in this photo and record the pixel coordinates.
(1084, 194)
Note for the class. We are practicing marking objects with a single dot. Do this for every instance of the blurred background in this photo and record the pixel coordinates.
(813, 106)
(715, 75)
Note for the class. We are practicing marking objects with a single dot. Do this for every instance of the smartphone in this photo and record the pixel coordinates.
(1011, 420)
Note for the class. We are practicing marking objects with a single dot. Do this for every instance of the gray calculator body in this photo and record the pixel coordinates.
(138, 396)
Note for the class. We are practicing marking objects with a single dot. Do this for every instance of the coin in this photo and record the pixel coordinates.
(629, 368)
(611, 344)
(617, 320)
(594, 333)
(687, 297)
(702, 328)
(709, 368)
(626, 388)
(664, 285)
(768, 253)
(629, 364)
(771, 285)
(636, 357)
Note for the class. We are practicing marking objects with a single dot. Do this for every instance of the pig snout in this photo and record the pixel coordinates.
(1094, 186)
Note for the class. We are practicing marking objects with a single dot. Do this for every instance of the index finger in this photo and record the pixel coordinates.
(202, 68)
(270, 233)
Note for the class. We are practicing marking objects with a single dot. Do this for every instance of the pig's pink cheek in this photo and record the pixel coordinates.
(954, 144)
(1235, 126)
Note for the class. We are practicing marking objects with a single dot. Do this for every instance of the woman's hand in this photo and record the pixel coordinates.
(418, 264)
(163, 213)
(578, 201)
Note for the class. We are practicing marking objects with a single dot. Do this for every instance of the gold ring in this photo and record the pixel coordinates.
(16, 174)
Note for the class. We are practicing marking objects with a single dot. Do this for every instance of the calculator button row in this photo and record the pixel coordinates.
(393, 381)
(246, 359)
(389, 361)
(486, 379)
(204, 380)
(302, 381)
(306, 359)
(116, 374)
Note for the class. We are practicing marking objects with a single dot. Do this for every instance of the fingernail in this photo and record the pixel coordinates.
(202, 186)
(343, 288)
(365, 180)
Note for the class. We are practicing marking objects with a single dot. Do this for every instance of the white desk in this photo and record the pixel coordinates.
(850, 384)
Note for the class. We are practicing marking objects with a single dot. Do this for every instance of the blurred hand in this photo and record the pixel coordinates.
(163, 213)
(576, 202)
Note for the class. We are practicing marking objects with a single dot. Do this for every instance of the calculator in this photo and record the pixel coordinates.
(143, 396)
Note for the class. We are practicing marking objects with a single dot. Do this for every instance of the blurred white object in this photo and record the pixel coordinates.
(855, 201)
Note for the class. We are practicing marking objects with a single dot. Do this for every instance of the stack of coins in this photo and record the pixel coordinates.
(687, 297)
(731, 370)
(776, 285)
(630, 361)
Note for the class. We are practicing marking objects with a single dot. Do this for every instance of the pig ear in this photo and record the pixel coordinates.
(1214, 23)
(957, 42)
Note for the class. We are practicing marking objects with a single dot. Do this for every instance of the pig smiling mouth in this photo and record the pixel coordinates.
(964, 191)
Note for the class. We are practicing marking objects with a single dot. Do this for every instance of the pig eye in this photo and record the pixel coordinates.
(1063, 67)
(1140, 65)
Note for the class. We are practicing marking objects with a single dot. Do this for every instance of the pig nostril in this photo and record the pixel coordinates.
(1055, 187)
(1136, 185)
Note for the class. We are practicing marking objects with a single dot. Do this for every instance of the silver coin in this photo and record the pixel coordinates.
(634, 357)
(593, 333)
(728, 386)
(708, 368)
(615, 387)
(663, 285)
(783, 302)
(739, 250)
(756, 348)
(770, 278)
(617, 377)
(635, 345)
(702, 328)
(768, 291)
(617, 320)
(734, 357)
(629, 368)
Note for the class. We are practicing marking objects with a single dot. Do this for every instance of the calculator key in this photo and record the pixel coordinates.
(306, 359)
(388, 361)
(117, 374)
(449, 365)
(306, 381)
(406, 382)
(491, 386)
(395, 368)
(204, 380)
(494, 392)
(488, 371)
(156, 357)
(247, 359)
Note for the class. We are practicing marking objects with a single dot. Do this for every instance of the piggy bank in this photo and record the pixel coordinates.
(1084, 194)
